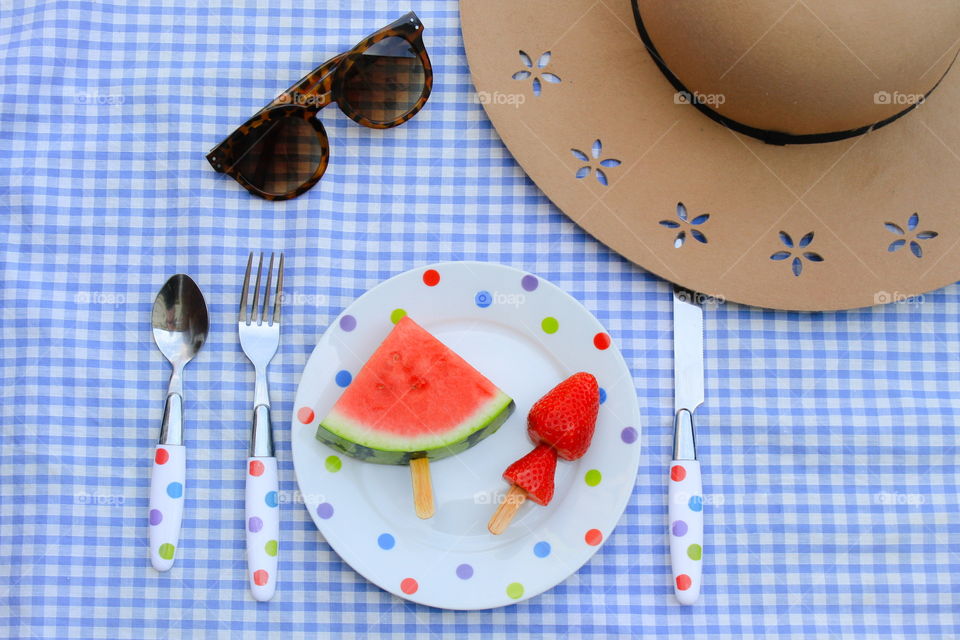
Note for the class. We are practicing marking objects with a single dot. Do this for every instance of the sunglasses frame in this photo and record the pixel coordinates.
(313, 92)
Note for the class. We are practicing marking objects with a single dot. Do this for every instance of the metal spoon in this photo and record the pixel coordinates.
(180, 326)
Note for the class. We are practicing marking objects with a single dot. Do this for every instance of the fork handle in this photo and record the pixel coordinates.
(167, 485)
(263, 525)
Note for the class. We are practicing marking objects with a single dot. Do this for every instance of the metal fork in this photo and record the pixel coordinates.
(259, 338)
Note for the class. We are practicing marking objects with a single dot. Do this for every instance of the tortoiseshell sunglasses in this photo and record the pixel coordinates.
(380, 83)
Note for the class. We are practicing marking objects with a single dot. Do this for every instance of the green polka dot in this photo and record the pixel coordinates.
(549, 325)
(397, 315)
(592, 478)
(515, 590)
(271, 547)
(166, 551)
(333, 464)
(695, 551)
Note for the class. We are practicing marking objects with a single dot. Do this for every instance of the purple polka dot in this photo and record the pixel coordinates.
(464, 572)
(629, 435)
(679, 528)
(255, 524)
(529, 283)
(155, 517)
(348, 323)
(325, 510)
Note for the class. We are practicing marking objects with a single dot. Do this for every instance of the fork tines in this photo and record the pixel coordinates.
(257, 313)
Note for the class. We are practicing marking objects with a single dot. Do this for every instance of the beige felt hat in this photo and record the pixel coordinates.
(788, 154)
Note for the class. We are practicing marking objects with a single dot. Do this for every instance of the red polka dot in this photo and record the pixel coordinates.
(677, 473)
(260, 577)
(431, 278)
(601, 341)
(256, 468)
(593, 537)
(409, 585)
(162, 456)
(683, 582)
(305, 415)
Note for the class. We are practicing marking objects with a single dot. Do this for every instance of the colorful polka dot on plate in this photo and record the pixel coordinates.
(593, 537)
(325, 510)
(386, 541)
(628, 435)
(603, 395)
(343, 378)
(305, 415)
(529, 283)
(348, 323)
(601, 341)
(333, 464)
(549, 325)
(397, 315)
(464, 572)
(541, 549)
(515, 590)
(409, 586)
(431, 277)
(483, 299)
(592, 478)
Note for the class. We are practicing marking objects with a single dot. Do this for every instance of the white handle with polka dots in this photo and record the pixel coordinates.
(167, 483)
(686, 529)
(263, 526)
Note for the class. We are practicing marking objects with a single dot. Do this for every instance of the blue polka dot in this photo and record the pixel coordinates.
(271, 499)
(603, 395)
(464, 572)
(483, 299)
(541, 549)
(175, 490)
(386, 541)
(696, 503)
(343, 378)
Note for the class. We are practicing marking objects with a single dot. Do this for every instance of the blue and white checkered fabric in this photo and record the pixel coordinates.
(828, 440)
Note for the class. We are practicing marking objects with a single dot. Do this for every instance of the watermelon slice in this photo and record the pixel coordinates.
(414, 398)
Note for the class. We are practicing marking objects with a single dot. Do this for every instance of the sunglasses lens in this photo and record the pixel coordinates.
(284, 156)
(385, 81)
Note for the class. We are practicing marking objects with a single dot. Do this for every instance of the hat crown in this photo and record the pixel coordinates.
(805, 68)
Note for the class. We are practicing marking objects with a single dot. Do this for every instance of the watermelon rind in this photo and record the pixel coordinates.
(357, 441)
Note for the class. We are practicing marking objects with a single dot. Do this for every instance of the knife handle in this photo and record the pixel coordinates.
(167, 485)
(686, 529)
(263, 525)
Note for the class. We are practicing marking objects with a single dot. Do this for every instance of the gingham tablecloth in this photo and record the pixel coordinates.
(828, 440)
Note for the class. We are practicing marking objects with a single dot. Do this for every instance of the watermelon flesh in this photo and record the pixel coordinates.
(414, 398)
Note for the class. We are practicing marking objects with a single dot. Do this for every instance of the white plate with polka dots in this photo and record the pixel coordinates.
(525, 335)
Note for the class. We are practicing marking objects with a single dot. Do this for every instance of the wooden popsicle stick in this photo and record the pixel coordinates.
(422, 488)
(506, 510)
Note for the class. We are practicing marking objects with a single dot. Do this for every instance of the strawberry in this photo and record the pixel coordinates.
(565, 418)
(534, 474)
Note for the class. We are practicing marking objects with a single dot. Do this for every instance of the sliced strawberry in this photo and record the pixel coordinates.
(565, 418)
(534, 474)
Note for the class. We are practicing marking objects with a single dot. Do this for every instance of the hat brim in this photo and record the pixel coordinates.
(807, 227)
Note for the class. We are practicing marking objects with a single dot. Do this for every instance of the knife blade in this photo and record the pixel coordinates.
(685, 485)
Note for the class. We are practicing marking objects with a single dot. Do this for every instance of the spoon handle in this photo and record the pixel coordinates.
(166, 503)
(263, 525)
